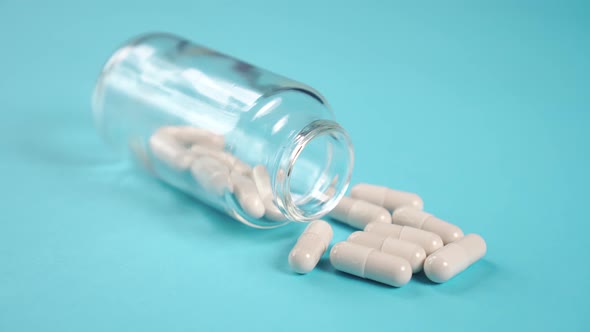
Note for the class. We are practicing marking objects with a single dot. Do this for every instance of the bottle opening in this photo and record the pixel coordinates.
(315, 171)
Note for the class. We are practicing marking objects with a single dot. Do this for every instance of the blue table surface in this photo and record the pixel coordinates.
(480, 107)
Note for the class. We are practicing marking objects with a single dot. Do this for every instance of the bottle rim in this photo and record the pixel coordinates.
(323, 196)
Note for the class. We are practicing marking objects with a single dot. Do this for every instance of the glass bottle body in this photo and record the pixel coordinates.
(211, 126)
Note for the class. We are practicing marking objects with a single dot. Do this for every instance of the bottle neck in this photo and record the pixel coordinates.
(313, 171)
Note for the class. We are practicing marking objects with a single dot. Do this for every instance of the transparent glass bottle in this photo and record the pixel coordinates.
(211, 126)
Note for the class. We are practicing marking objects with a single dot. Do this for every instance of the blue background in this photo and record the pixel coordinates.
(480, 107)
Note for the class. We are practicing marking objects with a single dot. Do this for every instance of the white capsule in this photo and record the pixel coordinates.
(370, 263)
(188, 135)
(455, 257)
(272, 211)
(262, 180)
(140, 152)
(429, 241)
(419, 219)
(407, 250)
(247, 195)
(310, 246)
(230, 160)
(166, 149)
(358, 214)
(169, 131)
(212, 175)
(388, 198)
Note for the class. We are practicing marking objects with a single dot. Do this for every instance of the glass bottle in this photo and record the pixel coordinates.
(262, 148)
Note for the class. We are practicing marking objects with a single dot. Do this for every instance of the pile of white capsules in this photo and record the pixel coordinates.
(392, 246)
(185, 148)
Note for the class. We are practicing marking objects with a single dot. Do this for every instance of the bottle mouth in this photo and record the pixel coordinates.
(314, 171)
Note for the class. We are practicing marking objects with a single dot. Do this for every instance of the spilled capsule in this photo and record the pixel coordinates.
(370, 263)
(455, 257)
(388, 198)
(430, 242)
(247, 195)
(419, 219)
(358, 214)
(413, 253)
(310, 246)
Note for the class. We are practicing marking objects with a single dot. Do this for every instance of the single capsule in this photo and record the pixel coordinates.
(370, 263)
(262, 180)
(188, 136)
(247, 195)
(419, 219)
(455, 257)
(310, 246)
(429, 241)
(272, 211)
(407, 250)
(212, 175)
(140, 153)
(388, 198)
(359, 214)
(230, 160)
(166, 149)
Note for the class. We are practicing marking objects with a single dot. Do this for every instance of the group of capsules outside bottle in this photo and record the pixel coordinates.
(398, 237)
(398, 240)
(201, 153)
